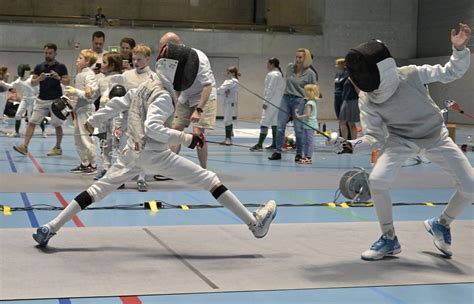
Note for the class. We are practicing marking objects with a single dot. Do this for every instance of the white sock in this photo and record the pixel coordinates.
(66, 215)
(231, 202)
(458, 202)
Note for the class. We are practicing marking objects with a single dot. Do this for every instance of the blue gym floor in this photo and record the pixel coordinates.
(232, 159)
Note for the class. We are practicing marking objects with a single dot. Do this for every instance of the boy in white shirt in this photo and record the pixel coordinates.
(83, 95)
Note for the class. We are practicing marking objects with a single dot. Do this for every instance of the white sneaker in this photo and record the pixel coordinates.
(14, 134)
(264, 217)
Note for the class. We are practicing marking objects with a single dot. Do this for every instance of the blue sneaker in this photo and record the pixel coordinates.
(42, 236)
(264, 217)
(441, 236)
(383, 247)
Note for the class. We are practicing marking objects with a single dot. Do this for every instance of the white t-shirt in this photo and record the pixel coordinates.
(205, 76)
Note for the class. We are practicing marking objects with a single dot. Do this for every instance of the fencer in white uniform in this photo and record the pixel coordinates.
(28, 95)
(229, 91)
(83, 94)
(112, 68)
(133, 78)
(399, 116)
(4, 87)
(273, 92)
(147, 147)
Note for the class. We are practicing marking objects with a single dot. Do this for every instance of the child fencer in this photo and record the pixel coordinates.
(112, 69)
(229, 90)
(133, 78)
(147, 149)
(4, 88)
(28, 94)
(398, 115)
(275, 86)
(83, 94)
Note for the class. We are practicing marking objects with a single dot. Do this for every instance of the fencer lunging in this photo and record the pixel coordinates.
(397, 100)
(149, 107)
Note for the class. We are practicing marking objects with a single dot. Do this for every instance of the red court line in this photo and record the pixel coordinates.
(78, 223)
(59, 196)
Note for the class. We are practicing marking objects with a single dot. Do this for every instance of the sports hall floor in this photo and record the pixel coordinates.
(234, 164)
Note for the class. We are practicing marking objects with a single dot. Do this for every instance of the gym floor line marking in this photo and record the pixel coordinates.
(24, 197)
(58, 195)
(341, 212)
(181, 259)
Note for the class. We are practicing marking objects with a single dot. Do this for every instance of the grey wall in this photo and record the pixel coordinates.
(436, 18)
(347, 23)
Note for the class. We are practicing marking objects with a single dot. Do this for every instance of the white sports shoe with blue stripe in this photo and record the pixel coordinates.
(264, 217)
(383, 247)
(441, 236)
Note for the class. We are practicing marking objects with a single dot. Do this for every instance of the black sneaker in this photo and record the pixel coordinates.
(271, 147)
(275, 156)
(298, 157)
(79, 169)
(90, 170)
(255, 148)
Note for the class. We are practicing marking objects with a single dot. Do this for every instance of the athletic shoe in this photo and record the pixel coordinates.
(142, 186)
(298, 157)
(44, 135)
(264, 217)
(79, 169)
(441, 236)
(383, 247)
(100, 174)
(271, 147)
(160, 178)
(55, 151)
(275, 156)
(226, 142)
(14, 134)
(256, 148)
(22, 149)
(90, 170)
(42, 236)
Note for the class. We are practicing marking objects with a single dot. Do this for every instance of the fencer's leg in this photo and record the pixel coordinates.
(123, 170)
(180, 168)
(274, 135)
(449, 157)
(380, 180)
(263, 134)
(17, 126)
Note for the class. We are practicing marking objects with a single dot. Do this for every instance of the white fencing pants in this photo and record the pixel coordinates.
(445, 153)
(130, 164)
(85, 145)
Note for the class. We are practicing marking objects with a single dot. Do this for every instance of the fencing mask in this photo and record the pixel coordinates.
(61, 107)
(178, 65)
(117, 91)
(361, 62)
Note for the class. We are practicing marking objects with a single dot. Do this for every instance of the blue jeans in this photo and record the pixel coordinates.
(308, 142)
(288, 106)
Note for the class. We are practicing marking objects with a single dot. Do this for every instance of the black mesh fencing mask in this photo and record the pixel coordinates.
(361, 63)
